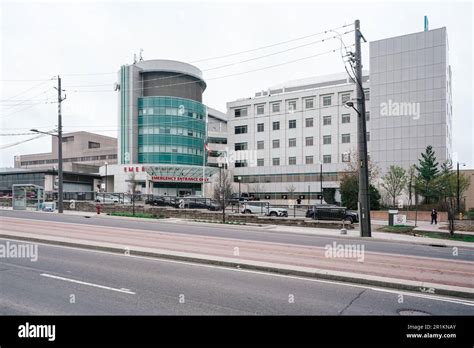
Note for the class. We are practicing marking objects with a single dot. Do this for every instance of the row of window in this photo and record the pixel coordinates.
(292, 160)
(309, 122)
(308, 103)
(170, 149)
(309, 141)
(303, 177)
(73, 159)
(171, 130)
(162, 111)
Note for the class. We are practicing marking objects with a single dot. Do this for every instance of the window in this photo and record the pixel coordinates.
(309, 159)
(346, 138)
(260, 127)
(346, 118)
(276, 107)
(346, 157)
(309, 141)
(93, 145)
(240, 163)
(345, 97)
(213, 140)
(68, 139)
(260, 162)
(276, 161)
(240, 146)
(241, 129)
(276, 143)
(327, 159)
(367, 94)
(260, 109)
(309, 103)
(367, 115)
(291, 161)
(326, 139)
(292, 106)
(260, 145)
(276, 125)
(326, 120)
(292, 124)
(309, 122)
(368, 136)
(240, 112)
(292, 142)
(327, 100)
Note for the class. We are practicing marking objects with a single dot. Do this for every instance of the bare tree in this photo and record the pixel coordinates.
(410, 186)
(223, 188)
(353, 167)
(291, 190)
(394, 181)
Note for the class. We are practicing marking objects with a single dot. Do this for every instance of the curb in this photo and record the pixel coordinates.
(417, 287)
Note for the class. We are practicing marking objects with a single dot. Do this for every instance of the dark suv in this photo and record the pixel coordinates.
(332, 213)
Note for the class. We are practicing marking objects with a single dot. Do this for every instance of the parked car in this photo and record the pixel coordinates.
(332, 213)
(157, 201)
(111, 199)
(266, 210)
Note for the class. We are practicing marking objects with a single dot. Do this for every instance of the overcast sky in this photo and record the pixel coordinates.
(43, 39)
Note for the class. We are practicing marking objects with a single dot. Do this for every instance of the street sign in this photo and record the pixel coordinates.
(400, 219)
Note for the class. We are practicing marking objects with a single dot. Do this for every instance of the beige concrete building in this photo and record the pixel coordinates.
(82, 152)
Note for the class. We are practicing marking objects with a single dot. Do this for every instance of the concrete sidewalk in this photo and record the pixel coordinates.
(420, 274)
(355, 233)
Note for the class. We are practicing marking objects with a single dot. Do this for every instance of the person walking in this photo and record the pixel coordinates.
(434, 217)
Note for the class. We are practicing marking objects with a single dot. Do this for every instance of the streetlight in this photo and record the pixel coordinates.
(60, 166)
(458, 196)
(222, 192)
(321, 179)
(106, 164)
(238, 179)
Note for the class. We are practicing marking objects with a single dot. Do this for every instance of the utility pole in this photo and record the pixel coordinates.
(364, 202)
(60, 149)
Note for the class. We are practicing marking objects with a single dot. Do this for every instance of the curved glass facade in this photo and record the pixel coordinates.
(171, 130)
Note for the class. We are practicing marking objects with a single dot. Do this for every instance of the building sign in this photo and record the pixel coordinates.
(133, 169)
(178, 179)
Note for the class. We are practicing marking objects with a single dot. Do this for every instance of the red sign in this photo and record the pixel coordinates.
(135, 169)
(178, 179)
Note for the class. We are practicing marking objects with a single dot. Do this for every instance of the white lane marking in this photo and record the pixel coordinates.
(126, 291)
(393, 291)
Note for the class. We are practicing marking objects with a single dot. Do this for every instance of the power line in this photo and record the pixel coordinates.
(234, 63)
(217, 77)
(268, 46)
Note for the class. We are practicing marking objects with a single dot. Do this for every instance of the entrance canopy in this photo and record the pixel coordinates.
(177, 173)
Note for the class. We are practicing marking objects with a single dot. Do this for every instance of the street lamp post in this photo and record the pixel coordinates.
(321, 179)
(222, 192)
(238, 204)
(60, 166)
(106, 177)
(458, 193)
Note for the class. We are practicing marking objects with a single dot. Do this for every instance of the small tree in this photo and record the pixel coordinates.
(353, 167)
(223, 188)
(394, 181)
(447, 187)
(410, 186)
(350, 193)
(427, 172)
(291, 190)
(133, 183)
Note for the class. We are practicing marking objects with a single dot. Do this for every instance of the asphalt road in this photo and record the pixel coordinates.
(251, 233)
(81, 282)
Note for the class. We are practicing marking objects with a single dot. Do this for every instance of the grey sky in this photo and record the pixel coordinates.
(43, 39)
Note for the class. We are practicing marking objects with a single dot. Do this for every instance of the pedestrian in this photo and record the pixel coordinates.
(434, 217)
(298, 200)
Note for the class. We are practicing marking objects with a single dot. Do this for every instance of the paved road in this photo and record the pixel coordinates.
(103, 283)
(250, 233)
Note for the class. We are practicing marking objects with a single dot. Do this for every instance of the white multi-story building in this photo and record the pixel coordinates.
(281, 140)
